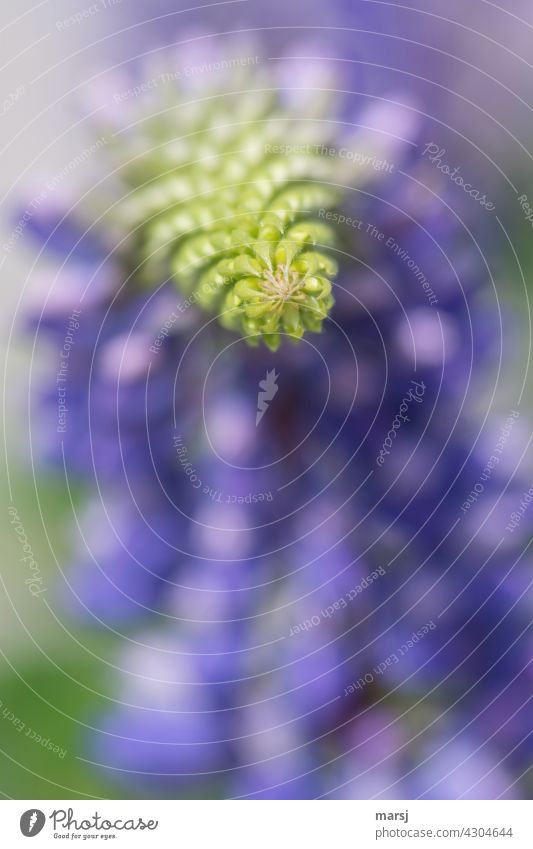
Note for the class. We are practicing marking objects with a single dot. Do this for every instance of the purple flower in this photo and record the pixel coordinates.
(321, 617)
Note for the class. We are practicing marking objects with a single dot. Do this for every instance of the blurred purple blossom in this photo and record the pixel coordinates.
(219, 694)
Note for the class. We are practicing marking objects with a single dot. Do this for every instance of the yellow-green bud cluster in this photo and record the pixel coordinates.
(215, 206)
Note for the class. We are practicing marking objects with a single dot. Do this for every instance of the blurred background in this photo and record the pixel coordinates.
(138, 664)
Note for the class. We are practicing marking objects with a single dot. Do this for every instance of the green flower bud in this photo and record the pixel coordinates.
(231, 222)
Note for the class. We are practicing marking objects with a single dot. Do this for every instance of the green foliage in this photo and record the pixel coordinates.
(55, 703)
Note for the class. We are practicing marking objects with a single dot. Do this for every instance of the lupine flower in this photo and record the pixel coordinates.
(321, 628)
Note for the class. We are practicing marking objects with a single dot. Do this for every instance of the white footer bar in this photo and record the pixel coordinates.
(268, 824)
